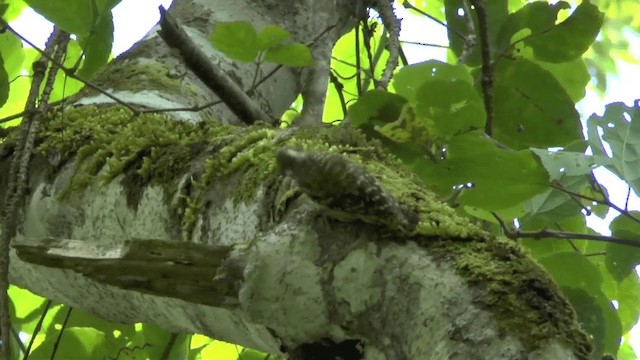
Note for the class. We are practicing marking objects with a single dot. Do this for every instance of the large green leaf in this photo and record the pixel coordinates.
(569, 39)
(571, 170)
(97, 45)
(534, 18)
(501, 178)
(295, 54)
(73, 16)
(628, 297)
(4, 83)
(621, 260)
(410, 78)
(573, 76)
(581, 281)
(443, 96)
(532, 109)
(376, 107)
(598, 317)
(237, 39)
(535, 26)
(620, 127)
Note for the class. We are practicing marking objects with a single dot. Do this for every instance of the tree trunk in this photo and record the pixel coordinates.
(180, 220)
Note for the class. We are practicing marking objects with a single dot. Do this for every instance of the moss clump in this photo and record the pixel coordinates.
(517, 291)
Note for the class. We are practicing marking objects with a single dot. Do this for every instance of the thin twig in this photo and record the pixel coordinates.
(546, 233)
(606, 202)
(339, 89)
(36, 330)
(56, 344)
(170, 344)
(470, 38)
(487, 65)
(409, 6)
(392, 25)
(71, 72)
(424, 44)
(16, 185)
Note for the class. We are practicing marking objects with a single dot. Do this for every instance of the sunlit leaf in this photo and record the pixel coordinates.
(295, 54)
(73, 16)
(272, 35)
(238, 40)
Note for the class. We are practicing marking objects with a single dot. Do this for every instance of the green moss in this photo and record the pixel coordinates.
(516, 290)
(147, 74)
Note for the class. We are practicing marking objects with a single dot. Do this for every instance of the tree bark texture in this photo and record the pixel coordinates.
(186, 221)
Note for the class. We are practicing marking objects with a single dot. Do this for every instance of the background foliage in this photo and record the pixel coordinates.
(534, 172)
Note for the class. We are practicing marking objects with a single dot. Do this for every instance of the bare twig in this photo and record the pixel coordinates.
(71, 72)
(547, 233)
(56, 344)
(170, 344)
(36, 330)
(424, 44)
(339, 89)
(606, 201)
(392, 25)
(487, 65)
(18, 173)
(470, 38)
(409, 6)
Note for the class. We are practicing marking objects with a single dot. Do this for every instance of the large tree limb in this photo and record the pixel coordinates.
(305, 277)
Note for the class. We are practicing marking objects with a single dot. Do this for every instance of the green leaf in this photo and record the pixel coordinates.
(544, 247)
(571, 38)
(295, 54)
(628, 297)
(4, 82)
(73, 16)
(573, 269)
(448, 108)
(237, 39)
(598, 317)
(621, 260)
(500, 178)
(561, 163)
(530, 113)
(272, 35)
(620, 127)
(97, 45)
(12, 54)
(535, 17)
(376, 107)
(410, 78)
(573, 76)
(11, 10)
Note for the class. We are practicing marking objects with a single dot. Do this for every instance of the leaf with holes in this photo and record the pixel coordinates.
(620, 127)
